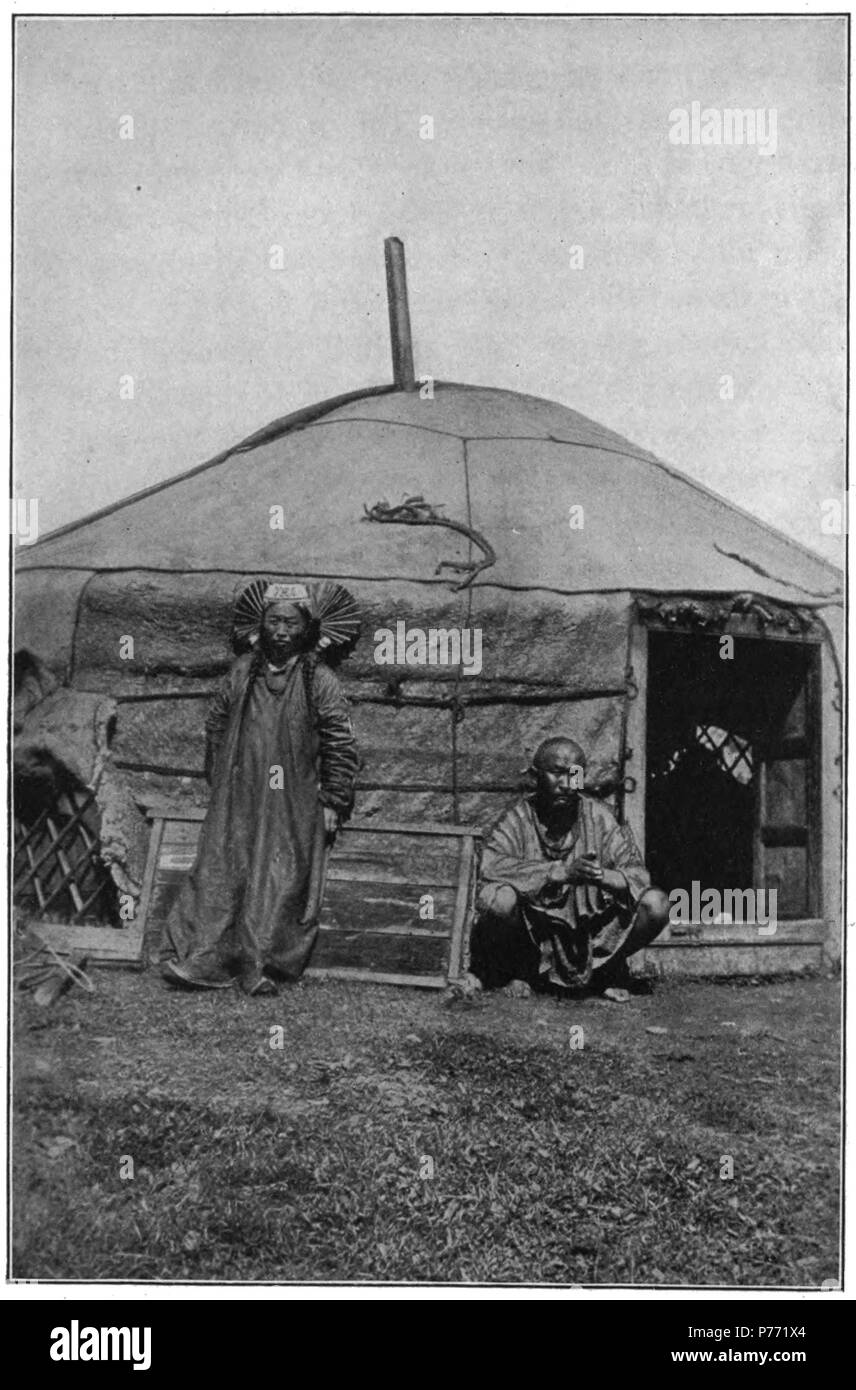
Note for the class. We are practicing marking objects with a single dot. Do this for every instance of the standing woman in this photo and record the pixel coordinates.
(282, 763)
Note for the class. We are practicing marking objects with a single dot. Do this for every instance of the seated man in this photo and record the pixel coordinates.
(564, 896)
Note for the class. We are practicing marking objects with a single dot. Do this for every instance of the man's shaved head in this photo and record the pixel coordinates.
(551, 748)
(558, 767)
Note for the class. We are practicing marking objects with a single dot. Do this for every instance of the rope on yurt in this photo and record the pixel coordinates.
(458, 708)
(832, 594)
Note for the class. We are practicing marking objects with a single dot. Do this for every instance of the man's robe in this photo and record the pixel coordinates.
(577, 928)
(253, 897)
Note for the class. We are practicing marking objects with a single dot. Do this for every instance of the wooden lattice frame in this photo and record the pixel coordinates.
(57, 860)
(731, 750)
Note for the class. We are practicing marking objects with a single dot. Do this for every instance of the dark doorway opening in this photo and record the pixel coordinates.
(731, 766)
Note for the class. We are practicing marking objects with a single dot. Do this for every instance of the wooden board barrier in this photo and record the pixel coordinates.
(397, 902)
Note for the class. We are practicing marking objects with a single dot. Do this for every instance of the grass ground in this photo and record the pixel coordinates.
(692, 1137)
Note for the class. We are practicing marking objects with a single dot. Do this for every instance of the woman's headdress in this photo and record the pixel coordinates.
(334, 617)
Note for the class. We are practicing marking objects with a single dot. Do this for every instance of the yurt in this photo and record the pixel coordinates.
(689, 647)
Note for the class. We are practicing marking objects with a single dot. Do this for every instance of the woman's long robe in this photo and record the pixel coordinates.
(252, 899)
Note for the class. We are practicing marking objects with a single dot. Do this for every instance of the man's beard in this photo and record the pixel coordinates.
(559, 812)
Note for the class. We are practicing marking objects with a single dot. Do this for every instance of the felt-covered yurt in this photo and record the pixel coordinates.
(603, 584)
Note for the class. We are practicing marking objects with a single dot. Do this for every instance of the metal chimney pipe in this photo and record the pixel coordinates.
(399, 315)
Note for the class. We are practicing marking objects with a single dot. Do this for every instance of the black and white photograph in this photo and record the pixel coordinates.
(428, 655)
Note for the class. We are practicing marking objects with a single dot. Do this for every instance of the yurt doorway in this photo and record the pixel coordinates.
(732, 767)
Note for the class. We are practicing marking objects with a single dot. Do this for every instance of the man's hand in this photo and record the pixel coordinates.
(331, 823)
(585, 870)
(588, 870)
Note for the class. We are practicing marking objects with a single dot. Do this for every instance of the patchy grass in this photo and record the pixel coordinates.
(394, 1138)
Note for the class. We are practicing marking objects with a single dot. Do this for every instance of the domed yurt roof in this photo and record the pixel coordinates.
(507, 466)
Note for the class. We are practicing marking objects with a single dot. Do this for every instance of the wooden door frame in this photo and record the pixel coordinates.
(635, 768)
(636, 734)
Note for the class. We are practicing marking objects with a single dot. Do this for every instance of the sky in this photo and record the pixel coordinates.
(558, 243)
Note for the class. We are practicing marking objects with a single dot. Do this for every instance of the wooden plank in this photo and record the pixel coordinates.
(357, 872)
(375, 977)
(784, 836)
(172, 872)
(149, 874)
(181, 832)
(462, 905)
(392, 954)
(805, 931)
(175, 811)
(814, 779)
(364, 910)
(426, 828)
(404, 898)
(171, 811)
(635, 735)
(721, 961)
(394, 929)
(103, 945)
(176, 860)
(424, 859)
(164, 894)
(787, 871)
